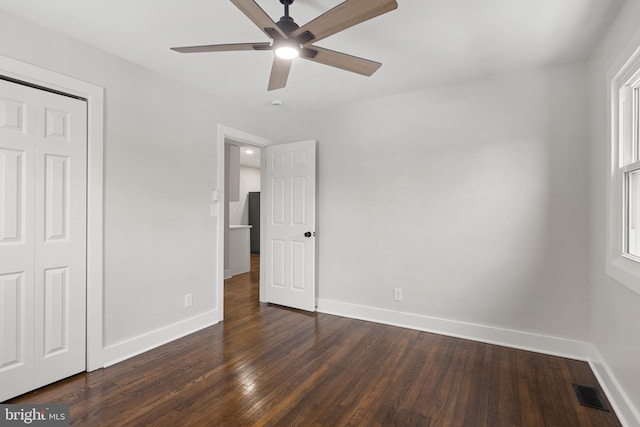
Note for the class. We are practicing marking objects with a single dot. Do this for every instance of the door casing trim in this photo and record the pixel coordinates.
(95, 177)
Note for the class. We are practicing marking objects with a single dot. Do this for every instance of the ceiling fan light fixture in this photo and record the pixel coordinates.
(287, 51)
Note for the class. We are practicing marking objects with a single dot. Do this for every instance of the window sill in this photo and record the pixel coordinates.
(625, 271)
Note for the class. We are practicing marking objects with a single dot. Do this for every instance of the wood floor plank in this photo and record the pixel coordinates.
(270, 366)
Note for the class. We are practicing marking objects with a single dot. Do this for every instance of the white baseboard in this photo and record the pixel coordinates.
(137, 345)
(491, 335)
(622, 406)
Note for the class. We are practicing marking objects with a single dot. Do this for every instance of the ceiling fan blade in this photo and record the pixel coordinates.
(340, 60)
(223, 47)
(279, 73)
(259, 17)
(343, 16)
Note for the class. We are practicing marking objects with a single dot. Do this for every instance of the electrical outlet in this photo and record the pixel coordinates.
(188, 300)
(397, 294)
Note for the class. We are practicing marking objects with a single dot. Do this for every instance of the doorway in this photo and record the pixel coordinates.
(243, 176)
(289, 204)
(236, 137)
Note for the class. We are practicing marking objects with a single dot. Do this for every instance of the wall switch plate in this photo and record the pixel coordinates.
(215, 209)
(397, 294)
(188, 300)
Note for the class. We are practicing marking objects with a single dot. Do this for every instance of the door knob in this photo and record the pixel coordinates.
(307, 234)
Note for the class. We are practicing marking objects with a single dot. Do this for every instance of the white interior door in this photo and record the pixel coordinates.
(43, 170)
(290, 221)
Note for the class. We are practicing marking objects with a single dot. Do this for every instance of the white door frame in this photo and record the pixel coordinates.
(225, 132)
(94, 95)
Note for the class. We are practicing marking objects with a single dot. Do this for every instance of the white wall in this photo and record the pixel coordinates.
(160, 166)
(249, 181)
(471, 197)
(615, 309)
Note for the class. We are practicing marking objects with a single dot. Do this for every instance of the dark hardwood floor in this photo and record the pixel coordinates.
(267, 365)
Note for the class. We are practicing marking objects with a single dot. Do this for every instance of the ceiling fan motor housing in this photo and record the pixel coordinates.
(287, 25)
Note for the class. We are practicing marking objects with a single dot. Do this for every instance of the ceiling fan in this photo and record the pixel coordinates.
(291, 41)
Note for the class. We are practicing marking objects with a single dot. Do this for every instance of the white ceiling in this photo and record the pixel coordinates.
(422, 43)
(249, 156)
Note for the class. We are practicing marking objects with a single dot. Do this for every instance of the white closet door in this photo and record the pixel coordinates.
(17, 244)
(43, 162)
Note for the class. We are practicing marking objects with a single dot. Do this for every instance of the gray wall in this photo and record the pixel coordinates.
(471, 197)
(160, 168)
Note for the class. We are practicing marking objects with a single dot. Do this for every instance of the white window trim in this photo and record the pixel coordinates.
(622, 267)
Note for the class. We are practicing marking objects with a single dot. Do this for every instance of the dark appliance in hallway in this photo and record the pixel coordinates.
(254, 221)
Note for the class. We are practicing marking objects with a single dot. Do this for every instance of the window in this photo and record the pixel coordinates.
(629, 169)
(624, 187)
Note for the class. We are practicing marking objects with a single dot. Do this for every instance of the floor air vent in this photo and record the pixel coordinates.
(590, 397)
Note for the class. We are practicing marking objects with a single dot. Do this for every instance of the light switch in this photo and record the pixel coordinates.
(215, 209)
